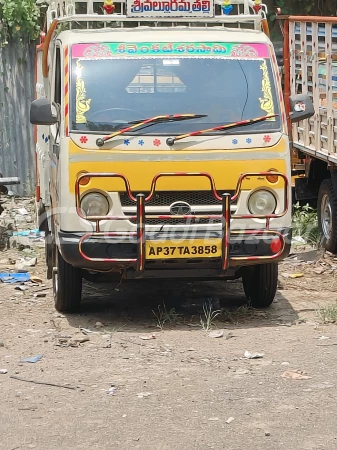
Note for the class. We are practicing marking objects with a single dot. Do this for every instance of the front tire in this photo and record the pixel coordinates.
(327, 216)
(67, 284)
(260, 284)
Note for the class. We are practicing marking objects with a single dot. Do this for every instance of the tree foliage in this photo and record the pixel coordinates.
(19, 19)
(308, 7)
(315, 7)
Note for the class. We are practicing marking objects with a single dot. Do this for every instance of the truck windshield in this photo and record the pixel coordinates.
(109, 93)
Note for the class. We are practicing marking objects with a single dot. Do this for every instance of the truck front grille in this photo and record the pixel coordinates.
(166, 198)
(177, 221)
(163, 199)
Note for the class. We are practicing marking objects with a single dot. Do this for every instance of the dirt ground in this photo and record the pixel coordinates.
(109, 377)
(131, 385)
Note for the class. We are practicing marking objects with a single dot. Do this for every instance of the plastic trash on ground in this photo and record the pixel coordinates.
(14, 277)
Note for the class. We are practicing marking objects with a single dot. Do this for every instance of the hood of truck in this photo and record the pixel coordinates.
(225, 166)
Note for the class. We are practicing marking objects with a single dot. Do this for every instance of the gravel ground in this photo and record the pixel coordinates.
(109, 377)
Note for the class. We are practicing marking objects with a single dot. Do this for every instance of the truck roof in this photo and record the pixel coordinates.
(169, 34)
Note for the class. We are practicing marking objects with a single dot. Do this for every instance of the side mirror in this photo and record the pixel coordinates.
(301, 107)
(41, 112)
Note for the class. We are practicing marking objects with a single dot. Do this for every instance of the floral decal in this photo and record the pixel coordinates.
(126, 141)
(97, 51)
(141, 142)
(83, 139)
(267, 139)
(266, 102)
(82, 102)
(248, 140)
(156, 142)
(235, 141)
(244, 51)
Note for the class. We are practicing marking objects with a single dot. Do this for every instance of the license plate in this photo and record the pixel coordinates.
(198, 248)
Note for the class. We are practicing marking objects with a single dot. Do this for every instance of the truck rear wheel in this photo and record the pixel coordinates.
(327, 215)
(67, 284)
(260, 284)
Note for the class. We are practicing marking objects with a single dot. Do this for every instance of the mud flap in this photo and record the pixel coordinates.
(334, 180)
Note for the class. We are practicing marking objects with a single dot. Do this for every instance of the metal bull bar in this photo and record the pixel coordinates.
(140, 200)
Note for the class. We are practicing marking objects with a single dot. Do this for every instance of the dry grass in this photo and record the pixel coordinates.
(207, 320)
(165, 316)
(328, 313)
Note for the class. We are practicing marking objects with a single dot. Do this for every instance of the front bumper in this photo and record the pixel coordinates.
(243, 250)
(120, 250)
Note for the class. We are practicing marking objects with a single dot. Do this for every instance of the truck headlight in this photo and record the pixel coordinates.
(262, 203)
(95, 204)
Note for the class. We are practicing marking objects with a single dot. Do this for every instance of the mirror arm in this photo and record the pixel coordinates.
(57, 107)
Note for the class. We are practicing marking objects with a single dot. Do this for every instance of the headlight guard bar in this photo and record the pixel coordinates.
(141, 200)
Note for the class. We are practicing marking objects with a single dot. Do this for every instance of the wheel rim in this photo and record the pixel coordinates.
(55, 275)
(56, 285)
(326, 217)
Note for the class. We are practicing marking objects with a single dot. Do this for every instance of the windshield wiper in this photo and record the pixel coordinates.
(171, 141)
(150, 121)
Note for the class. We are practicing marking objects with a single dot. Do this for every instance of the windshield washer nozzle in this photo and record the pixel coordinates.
(170, 141)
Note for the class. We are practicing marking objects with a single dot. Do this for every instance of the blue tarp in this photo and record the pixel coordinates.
(14, 277)
(29, 233)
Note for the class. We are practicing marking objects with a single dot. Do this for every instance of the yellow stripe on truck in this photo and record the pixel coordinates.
(141, 173)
